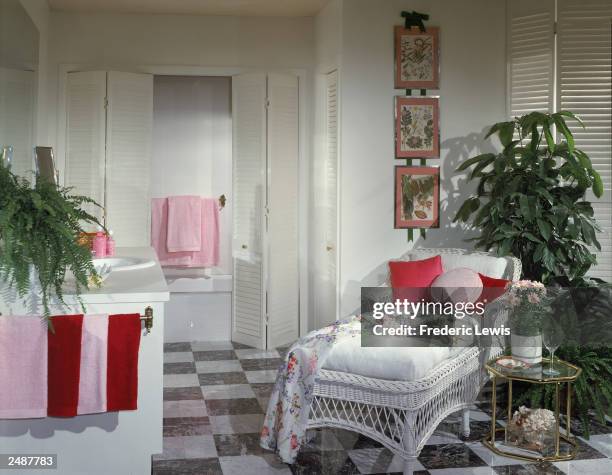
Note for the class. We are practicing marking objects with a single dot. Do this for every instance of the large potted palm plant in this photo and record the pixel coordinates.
(530, 199)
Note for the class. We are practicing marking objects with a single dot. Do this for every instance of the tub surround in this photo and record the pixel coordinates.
(119, 442)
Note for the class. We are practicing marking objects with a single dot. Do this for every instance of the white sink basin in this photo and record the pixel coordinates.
(120, 264)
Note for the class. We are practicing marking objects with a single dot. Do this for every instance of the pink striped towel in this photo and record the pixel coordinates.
(94, 350)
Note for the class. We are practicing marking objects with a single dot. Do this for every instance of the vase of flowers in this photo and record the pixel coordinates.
(532, 429)
(527, 302)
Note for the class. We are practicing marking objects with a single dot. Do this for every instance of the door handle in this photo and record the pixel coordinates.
(329, 248)
(244, 246)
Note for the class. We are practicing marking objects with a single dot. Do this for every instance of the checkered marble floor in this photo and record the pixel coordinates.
(215, 396)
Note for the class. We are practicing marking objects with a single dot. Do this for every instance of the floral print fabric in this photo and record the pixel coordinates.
(284, 428)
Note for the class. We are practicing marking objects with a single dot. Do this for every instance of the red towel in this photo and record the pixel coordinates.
(122, 371)
(64, 365)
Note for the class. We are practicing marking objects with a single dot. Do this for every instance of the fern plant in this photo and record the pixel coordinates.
(592, 391)
(39, 228)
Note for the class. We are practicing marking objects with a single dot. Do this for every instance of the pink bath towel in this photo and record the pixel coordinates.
(23, 367)
(184, 224)
(159, 232)
(207, 256)
(94, 350)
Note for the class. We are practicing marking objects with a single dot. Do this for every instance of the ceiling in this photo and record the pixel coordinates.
(279, 8)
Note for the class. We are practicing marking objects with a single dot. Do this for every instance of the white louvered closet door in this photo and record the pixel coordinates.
(530, 56)
(282, 230)
(16, 117)
(327, 304)
(585, 87)
(128, 157)
(86, 136)
(249, 182)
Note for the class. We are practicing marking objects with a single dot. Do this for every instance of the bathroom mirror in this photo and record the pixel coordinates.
(18, 64)
(45, 165)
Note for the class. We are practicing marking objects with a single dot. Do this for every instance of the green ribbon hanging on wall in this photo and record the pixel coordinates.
(414, 19)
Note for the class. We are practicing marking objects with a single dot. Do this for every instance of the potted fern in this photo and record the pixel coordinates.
(39, 229)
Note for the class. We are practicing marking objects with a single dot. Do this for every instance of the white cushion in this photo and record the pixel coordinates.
(488, 265)
(393, 363)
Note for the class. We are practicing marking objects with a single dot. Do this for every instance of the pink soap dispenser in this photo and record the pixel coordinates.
(110, 245)
(99, 243)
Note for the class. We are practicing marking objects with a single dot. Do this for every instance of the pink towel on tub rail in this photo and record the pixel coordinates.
(184, 224)
(207, 256)
(23, 367)
(94, 351)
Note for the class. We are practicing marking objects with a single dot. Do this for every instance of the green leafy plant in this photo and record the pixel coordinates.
(592, 391)
(530, 199)
(39, 228)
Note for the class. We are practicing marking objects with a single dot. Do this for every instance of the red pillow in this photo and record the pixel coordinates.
(492, 288)
(411, 279)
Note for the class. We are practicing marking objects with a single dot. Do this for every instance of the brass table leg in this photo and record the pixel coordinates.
(509, 409)
(557, 417)
(494, 409)
(568, 426)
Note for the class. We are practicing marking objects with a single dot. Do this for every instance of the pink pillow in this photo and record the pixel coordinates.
(411, 279)
(457, 285)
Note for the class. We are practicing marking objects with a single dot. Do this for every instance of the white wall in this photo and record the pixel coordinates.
(472, 96)
(40, 14)
(328, 36)
(192, 145)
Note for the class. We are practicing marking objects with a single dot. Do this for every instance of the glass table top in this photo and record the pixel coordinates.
(536, 372)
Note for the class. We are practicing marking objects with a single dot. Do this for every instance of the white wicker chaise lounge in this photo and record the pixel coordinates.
(402, 415)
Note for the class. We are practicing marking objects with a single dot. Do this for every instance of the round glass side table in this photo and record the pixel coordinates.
(535, 374)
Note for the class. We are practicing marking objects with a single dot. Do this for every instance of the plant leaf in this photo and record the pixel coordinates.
(471, 161)
(598, 189)
(506, 131)
(545, 228)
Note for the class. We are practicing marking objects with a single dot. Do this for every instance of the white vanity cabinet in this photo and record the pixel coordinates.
(109, 123)
(115, 442)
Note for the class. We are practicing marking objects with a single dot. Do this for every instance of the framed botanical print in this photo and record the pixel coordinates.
(417, 128)
(417, 197)
(417, 58)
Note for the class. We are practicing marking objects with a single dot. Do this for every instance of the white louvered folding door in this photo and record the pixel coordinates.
(265, 244)
(86, 136)
(585, 87)
(128, 157)
(249, 152)
(530, 56)
(326, 301)
(108, 148)
(282, 229)
(582, 55)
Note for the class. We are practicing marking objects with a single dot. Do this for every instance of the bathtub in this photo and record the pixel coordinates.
(200, 306)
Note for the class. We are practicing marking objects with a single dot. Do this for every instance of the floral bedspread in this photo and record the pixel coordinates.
(284, 428)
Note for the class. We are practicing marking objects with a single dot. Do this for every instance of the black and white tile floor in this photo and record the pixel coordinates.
(215, 396)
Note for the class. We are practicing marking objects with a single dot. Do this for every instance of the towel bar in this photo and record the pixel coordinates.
(147, 318)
